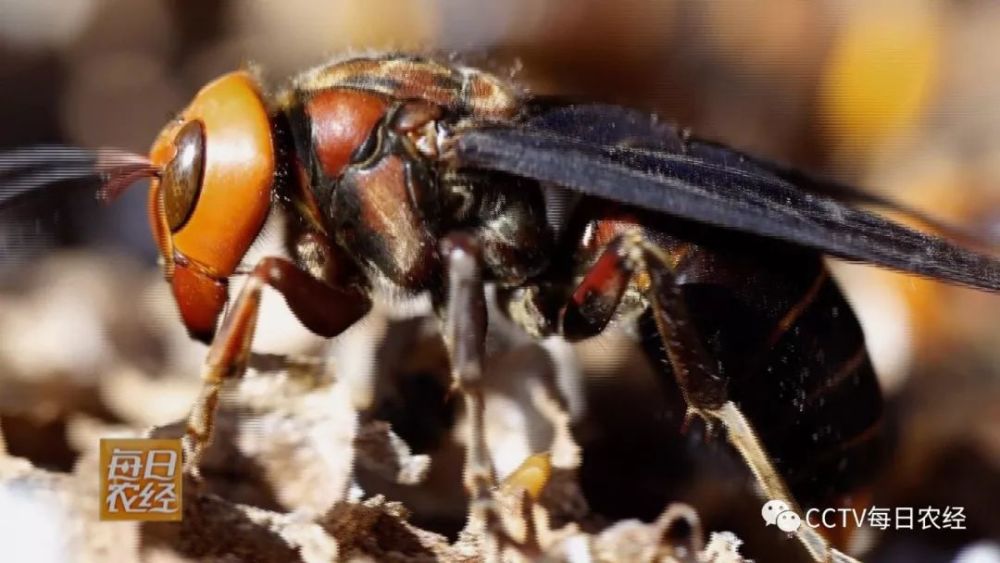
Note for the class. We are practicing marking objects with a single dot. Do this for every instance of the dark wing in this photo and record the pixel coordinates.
(620, 155)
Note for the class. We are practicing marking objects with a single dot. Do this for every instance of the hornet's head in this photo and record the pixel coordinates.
(212, 171)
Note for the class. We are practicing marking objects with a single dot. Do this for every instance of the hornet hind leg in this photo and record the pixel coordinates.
(592, 306)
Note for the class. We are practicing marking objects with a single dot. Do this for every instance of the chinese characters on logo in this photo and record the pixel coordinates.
(141, 479)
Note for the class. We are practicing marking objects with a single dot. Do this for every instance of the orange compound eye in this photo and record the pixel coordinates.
(217, 163)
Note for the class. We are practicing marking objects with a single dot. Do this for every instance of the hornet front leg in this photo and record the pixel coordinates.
(323, 309)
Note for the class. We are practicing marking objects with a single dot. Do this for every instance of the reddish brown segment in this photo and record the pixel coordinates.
(200, 299)
(600, 291)
(387, 212)
(606, 278)
(341, 120)
(598, 294)
(324, 309)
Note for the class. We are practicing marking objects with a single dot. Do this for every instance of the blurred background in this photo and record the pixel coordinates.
(899, 97)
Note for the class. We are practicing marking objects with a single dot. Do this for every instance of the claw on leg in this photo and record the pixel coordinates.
(198, 433)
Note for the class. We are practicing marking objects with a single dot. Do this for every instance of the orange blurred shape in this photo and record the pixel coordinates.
(532, 475)
(880, 74)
